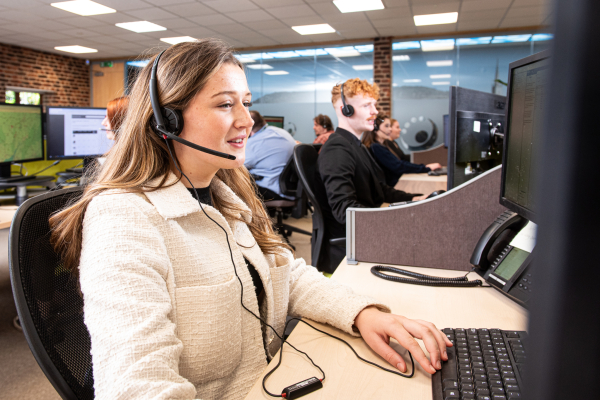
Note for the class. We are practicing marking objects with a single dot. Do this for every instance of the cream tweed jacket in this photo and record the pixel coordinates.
(162, 302)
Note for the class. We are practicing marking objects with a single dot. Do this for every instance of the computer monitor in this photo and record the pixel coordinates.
(527, 82)
(21, 136)
(75, 133)
(464, 101)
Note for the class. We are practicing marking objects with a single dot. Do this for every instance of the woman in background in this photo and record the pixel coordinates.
(115, 114)
(391, 142)
(392, 165)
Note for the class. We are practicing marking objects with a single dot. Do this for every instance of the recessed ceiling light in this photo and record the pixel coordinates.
(411, 81)
(403, 57)
(83, 7)
(179, 39)
(260, 66)
(436, 19)
(347, 6)
(141, 26)
(440, 63)
(313, 29)
(441, 76)
(437, 45)
(343, 51)
(363, 67)
(440, 83)
(76, 49)
(276, 72)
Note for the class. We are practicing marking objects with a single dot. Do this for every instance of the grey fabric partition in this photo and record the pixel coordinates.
(437, 233)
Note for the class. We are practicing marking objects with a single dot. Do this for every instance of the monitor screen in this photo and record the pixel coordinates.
(76, 133)
(527, 91)
(21, 137)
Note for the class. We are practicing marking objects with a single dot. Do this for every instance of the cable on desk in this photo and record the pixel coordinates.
(421, 279)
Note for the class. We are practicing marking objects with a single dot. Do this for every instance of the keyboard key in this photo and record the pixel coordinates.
(508, 374)
(496, 383)
(479, 371)
(478, 364)
(465, 397)
(450, 385)
(448, 330)
(514, 395)
(466, 379)
(481, 385)
(451, 394)
(510, 381)
(482, 392)
(491, 364)
(468, 393)
(498, 397)
(467, 386)
(489, 357)
(512, 334)
(483, 397)
(511, 388)
(497, 390)
(493, 370)
(495, 377)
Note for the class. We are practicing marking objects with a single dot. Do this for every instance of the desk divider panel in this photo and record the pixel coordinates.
(437, 233)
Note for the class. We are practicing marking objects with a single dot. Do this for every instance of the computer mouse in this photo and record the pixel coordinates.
(435, 193)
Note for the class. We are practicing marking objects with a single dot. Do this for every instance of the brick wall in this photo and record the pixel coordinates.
(382, 72)
(67, 77)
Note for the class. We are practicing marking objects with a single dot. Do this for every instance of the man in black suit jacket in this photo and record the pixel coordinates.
(348, 176)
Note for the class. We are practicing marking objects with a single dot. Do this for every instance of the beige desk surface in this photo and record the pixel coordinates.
(349, 378)
(6, 216)
(421, 183)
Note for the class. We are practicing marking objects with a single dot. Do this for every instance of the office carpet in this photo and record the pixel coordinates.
(20, 375)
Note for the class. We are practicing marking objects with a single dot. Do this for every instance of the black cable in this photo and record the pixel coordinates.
(283, 341)
(49, 166)
(421, 279)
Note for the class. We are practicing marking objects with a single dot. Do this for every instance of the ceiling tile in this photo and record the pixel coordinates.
(115, 18)
(481, 14)
(166, 4)
(400, 12)
(524, 21)
(48, 12)
(105, 39)
(363, 32)
(390, 23)
(398, 31)
(191, 10)
(251, 16)
(80, 22)
(212, 20)
(278, 33)
(259, 42)
(303, 21)
(51, 25)
(53, 36)
(520, 3)
(109, 30)
(476, 25)
(273, 24)
(301, 10)
(121, 5)
(196, 32)
(243, 36)
(230, 5)
(395, 3)
(19, 16)
(266, 4)
(476, 5)
(150, 14)
(175, 23)
(520, 12)
(225, 29)
(326, 9)
(21, 4)
(77, 32)
(422, 8)
(444, 28)
(22, 28)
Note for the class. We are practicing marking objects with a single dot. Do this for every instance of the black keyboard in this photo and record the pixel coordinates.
(483, 364)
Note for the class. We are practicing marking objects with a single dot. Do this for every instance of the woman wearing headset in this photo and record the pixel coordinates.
(158, 268)
(391, 143)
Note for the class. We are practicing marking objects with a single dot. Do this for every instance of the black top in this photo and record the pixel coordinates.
(395, 148)
(392, 166)
(348, 177)
(205, 198)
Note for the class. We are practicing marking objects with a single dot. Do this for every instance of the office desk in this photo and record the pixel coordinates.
(421, 183)
(349, 378)
(6, 216)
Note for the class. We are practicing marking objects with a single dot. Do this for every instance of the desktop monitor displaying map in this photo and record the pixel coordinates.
(76, 133)
(21, 137)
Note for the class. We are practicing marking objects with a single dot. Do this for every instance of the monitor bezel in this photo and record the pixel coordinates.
(41, 133)
(77, 157)
(511, 205)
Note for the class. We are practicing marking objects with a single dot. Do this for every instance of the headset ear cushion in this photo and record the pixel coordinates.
(347, 110)
(173, 120)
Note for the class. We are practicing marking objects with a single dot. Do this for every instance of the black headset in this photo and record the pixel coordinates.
(347, 109)
(376, 123)
(167, 122)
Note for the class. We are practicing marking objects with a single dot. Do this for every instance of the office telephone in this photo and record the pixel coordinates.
(501, 264)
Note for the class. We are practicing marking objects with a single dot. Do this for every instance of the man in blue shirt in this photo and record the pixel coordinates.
(267, 152)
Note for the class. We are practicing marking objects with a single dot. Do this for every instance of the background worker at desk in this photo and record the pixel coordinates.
(348, 175)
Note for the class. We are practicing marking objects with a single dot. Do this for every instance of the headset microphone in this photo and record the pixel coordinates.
(171, 127)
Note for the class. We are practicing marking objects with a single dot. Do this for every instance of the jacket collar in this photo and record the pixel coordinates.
(173, 200)
(349, 136)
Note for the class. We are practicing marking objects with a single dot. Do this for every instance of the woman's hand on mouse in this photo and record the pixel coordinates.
(377, 328)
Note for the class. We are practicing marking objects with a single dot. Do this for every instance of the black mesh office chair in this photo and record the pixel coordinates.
(288, 184)
(305, 158)
(47, 297)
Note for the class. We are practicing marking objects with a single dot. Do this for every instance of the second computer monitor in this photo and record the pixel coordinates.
(76, 133)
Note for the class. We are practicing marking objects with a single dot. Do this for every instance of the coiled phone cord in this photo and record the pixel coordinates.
(421, 279)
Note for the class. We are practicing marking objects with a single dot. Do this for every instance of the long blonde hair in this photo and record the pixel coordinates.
(139, 156)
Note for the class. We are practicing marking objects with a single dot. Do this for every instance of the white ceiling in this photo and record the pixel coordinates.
(247, 23)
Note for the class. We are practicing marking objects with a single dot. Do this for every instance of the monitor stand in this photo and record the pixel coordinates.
(5, 174)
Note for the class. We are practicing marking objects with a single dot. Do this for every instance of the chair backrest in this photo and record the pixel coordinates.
(305, 158)
(288, 180)
(48, 300)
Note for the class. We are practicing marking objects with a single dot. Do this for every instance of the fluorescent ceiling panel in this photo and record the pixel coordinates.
(366, 48)
(348, 6)
(440, 83)
(283, 54)
(402, 57)
(406, 45)
(313, 29)
(83, 7)
(179, 39)
(437, 45)
(141, 26)
(441, 76)
(440, 63)
(436, 19)
(411, 81)
(473, 41)
(276, 72)
(260, 66)
(542, 36)
(76, 49)
(139, 63)
(311, 52)
(365, 67)
(511, 39)
(347, 51)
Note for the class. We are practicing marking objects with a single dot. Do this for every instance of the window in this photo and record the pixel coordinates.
(31, 98)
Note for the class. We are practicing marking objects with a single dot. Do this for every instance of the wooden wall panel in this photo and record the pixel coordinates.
(107, 83)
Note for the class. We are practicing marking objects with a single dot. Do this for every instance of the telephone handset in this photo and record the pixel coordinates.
(502, 265)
